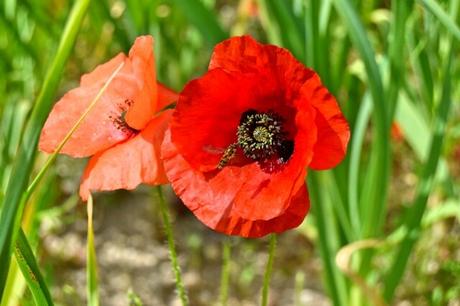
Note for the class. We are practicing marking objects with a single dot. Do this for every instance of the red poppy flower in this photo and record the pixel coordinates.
(242, 136)
(124, 130)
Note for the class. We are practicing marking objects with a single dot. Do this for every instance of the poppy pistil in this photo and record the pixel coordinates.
(260, 135)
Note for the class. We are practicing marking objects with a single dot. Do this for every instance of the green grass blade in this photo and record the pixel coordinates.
(286, 21)
(69, 134)
(269, 23)
(355, 156)
(329, 241)
(204, 20)
(413, 223)
(29, 267)
(92, 287)
(15, 286)
(11, 212)
(442, 16)
(53, 156)
(375, 186)
(400, 11)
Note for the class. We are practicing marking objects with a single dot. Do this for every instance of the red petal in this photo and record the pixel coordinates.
(143, 67)
(210, 108)
(129, 164)
(235, 196)
(103, 127)
(333, 129)
(244, 54)
(290, 218)
(240, 54)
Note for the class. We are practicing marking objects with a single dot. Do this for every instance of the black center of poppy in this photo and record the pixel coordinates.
(260, 134)
(261, 137)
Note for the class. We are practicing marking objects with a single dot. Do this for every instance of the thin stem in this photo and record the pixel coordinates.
(225, 276)
(268, 269)
(92, 284)
(172, 248)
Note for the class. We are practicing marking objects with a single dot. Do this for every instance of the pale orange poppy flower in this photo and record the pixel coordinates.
(124, 130)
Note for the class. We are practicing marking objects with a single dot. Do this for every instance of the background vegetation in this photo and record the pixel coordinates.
(383, 227)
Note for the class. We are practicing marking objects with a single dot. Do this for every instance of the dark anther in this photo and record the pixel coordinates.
(261, 138)
(285, 150)
(247, 113)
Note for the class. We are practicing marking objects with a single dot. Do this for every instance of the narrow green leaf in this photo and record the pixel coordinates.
(329, 240)
(203, 19)
(400, 11)
(29, 267)
(424, 187)
(355, 156)
(53, 156)
(442, 16)
(92, 287)
(375, 186)
(290, 29)
(11, 213)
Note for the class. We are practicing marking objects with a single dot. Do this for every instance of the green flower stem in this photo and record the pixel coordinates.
(225, 277)
(172, 248)
(92, 288)
(268, 269)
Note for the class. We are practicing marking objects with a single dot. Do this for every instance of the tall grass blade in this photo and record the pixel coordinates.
(355, 156)
(11, 211)
(413, 223)
(92, 287)
(204, 20)
(28, 265)
(442, 16)
(22, 246)
(400, 11)
(286, 21)
(375, 186)
(329, 243)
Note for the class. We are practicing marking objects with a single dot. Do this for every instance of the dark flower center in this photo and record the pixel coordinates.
(261, 138)
(259, 134)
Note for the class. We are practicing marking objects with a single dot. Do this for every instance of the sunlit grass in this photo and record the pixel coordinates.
(385, 61)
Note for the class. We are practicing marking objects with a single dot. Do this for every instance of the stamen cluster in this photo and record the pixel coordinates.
(260, 134)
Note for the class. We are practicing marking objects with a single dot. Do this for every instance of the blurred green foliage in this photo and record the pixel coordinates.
(393, 66)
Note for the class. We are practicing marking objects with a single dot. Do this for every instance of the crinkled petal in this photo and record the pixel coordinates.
(242, 54)
(209, 111)
(291, 218)
(143, 68)
(238, 200)
(130, 163)
(104, 126)
(333, 129)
